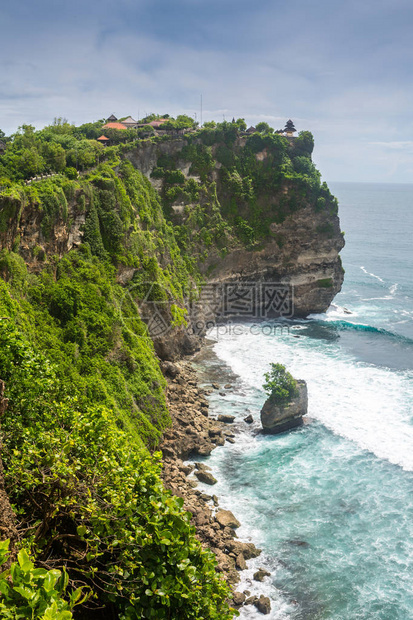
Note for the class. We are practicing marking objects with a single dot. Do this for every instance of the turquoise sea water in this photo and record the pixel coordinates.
(331, 504)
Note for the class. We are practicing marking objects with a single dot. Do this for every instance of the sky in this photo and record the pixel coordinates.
(339, 68)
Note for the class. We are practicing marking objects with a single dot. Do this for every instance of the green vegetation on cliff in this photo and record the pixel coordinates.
(88, 497)
(83, 255)
(86, 400)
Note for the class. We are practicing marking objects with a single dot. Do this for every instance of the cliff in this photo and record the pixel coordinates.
(245, 208)
(102, 275)
(264, 218)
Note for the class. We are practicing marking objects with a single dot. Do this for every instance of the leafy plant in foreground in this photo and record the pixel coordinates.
(31, 593)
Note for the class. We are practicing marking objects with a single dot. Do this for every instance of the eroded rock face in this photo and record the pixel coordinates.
(301, 253)
(307, 262)
(279, 418)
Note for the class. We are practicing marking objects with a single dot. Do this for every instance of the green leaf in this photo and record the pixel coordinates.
(50, 581)
(24, 561)
(25, 592)
(76, 597)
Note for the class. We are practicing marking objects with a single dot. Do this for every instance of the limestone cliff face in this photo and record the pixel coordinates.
(300, 252)
(307, 262)
(25, 232)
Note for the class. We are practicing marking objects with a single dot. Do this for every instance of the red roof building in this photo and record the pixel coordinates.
(103, 139)
(158, 122)
(114, 126)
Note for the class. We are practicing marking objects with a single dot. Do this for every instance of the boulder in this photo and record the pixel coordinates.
(279, 418)
(186, 469)
(226, 519)
(169, 369)
(226, 418)
(248, 550)
(263, 604)
(202, 467)
(203, 449)
(218, 441)
(206, 477)
(260, 574)
(238, 598)
(249, 419)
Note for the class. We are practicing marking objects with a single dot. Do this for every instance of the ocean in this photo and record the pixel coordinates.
(331, 504)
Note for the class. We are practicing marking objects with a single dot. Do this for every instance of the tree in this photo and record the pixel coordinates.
(31, 162)
(54, 155)
(241, 124)
(304, 144)
(279, 384)
(264, 127)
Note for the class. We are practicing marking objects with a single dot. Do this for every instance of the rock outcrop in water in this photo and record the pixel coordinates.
(277, 418)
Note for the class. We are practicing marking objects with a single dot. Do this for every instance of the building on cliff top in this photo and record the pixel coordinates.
(158, 123)
(114, 126)
(289, 129)
(112, 119)
(130, 122)
(103, 140)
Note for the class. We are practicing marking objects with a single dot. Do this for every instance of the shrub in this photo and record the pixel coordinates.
(91, 499)
(34, 593)
(71, 172)
(279, 384)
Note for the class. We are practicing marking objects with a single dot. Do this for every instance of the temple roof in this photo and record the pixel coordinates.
(102, 137)
(112, 118)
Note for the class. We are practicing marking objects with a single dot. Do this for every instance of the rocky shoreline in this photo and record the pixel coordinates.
(195, 434)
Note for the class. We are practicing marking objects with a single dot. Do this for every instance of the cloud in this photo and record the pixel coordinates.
(341, 70)
(397, 146)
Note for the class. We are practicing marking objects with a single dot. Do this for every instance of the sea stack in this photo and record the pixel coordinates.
(277, 418)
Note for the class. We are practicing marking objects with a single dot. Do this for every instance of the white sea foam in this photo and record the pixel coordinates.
(334, 313)
(373, 275)
(369, 405)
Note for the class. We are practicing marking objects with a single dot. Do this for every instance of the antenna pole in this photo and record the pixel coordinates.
(201, 110)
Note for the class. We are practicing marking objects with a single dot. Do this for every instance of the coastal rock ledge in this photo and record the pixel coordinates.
(279, 418)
